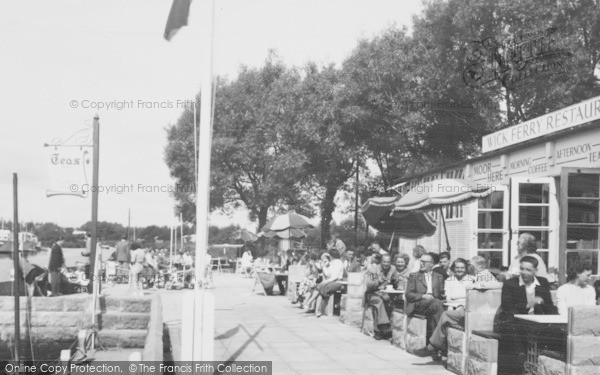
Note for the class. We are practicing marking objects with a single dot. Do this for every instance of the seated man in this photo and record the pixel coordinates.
(378, 279)
(443, 267)
(351, 264)
(456, 287)
(526, 294)
(424, 292)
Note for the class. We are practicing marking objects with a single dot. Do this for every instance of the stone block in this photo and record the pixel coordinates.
(454, 362)
(354, 305)
(481, 320)
(352, 319)
(124, 320)
(584, 350)
(478, 299)
(54, 334)
(551, 366)
(585, 321)
(76, 302)
(128, 338)
(455, 340)
(398, 338)
(56, 319)
(477, 367)
(356, 291)
(128, 304)
(416, 327)
(47, 304)
(483, 348)
(398, 320)
(356, 278)
(414, 343)
(367, 328)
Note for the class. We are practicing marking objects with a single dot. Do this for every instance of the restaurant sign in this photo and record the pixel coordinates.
(549, 123)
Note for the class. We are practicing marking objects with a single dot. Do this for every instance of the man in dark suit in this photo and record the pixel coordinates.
(424, 292)
(526, 294)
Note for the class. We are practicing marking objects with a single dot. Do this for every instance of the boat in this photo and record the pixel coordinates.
(28, 242)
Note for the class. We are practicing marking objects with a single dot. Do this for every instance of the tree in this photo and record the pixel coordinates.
(331, 149)
(251, 165)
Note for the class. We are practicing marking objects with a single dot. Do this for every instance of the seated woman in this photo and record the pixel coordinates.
(309, 283)
(577, 290)
(333, 271)
(402, 261)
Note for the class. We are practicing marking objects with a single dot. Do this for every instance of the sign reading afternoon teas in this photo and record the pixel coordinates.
(564, 118)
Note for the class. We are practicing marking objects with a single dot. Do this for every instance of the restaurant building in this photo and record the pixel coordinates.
(546, 178)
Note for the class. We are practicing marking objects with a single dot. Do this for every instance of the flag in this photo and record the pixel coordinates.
(178, 17)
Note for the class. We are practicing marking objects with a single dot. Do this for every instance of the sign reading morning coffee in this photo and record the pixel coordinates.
(549, 123)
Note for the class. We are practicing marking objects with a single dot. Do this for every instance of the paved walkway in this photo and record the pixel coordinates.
(256, 327)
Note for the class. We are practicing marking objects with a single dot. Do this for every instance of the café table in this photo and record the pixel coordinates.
(538, 323)
(396, 295)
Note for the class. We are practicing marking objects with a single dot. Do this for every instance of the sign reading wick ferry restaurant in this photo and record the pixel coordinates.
(565, 118)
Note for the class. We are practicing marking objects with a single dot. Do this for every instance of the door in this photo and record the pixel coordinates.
(490, 228)
(580, 209)
(534, 210)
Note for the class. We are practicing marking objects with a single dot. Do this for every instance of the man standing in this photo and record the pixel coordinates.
(55, 265)
(526, 294)
(138, 258)
(336, 243)
(379, 278)
(527, 246)
(123, 257)
(424, 292)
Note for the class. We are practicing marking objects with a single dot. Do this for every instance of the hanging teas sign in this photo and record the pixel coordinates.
(69, 164)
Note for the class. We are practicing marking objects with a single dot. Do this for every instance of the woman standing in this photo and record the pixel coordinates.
(55, 265)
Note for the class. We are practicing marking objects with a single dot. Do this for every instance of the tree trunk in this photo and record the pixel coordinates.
(262, 217)
(327, 208)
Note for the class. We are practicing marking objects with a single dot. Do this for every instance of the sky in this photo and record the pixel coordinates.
(64, 59)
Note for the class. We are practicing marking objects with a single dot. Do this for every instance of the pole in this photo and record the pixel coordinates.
(171, 248)
(128, 222)
(17, 269)
(181, 221)
(198, 316)
(445, 230)
(356, 205)
(94, 241)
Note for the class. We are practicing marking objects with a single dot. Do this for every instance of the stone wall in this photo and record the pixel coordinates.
(583, 354)
(52, 325)
(482, 356)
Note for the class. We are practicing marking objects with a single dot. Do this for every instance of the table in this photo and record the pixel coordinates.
(539, 321)
(395, 296)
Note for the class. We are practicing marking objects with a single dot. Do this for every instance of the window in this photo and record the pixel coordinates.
(491, 235)
(454, 211)
(583, 224)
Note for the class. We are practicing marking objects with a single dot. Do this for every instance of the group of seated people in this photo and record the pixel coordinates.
(523, 292)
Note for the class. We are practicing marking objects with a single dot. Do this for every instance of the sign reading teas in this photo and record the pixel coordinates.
(565, 118)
